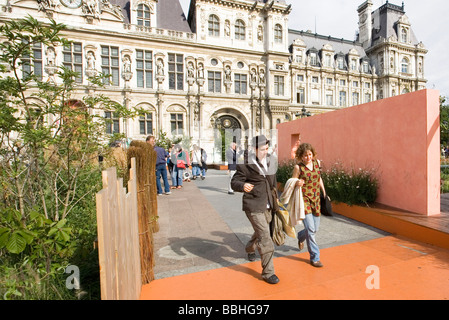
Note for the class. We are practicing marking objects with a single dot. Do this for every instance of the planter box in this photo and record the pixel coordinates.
(392, 220)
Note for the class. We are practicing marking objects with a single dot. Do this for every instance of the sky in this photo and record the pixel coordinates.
(339, 19)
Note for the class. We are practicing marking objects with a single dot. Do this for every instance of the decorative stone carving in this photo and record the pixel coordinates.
(127, 73)
(50, 66)
(90, 64)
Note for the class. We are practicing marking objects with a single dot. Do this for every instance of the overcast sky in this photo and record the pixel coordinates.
(338, 18)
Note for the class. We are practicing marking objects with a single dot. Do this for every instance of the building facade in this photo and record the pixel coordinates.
(230, 64)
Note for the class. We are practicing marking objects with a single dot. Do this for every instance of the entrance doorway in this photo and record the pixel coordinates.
(228, 129)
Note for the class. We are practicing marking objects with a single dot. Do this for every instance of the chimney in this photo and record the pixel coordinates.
(365, 23)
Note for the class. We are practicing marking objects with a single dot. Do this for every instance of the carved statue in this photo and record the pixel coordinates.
(91, 7)
(51, 56)
(90, 57)
(160, 68)
(126, 64)
(200, 70)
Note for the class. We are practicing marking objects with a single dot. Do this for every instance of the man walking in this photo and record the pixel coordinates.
(256, 180)
(161, 166)
(231, 158)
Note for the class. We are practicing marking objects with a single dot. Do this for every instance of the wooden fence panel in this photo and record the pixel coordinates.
(118, 237)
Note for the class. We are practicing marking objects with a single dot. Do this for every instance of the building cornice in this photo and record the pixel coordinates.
(252, 5)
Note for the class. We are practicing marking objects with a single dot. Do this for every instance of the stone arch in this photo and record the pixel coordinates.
(230, 125)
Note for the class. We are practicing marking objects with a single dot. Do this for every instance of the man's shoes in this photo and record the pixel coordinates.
(300, 245)
(272, 280)
(202, 178)
(316, 264)
(252, 256)
(167, 193)
(230, 192)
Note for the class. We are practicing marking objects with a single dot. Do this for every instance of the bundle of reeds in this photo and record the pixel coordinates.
(146, 202)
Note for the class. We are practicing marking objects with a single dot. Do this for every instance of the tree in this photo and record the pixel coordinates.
(444, 122)
(49, 145)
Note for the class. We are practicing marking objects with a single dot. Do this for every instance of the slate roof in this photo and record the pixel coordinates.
(169, 14)
(125, 5)
(385, 22)
(317, 41)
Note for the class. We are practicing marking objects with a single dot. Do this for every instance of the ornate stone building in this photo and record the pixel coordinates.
(230, 64)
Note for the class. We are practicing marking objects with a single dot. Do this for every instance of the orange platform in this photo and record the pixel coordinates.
(404, 268)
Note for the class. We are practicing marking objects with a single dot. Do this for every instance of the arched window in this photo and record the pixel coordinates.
(404, 65)
(214, 25)
(143, 15)
(404, 35)
(240, 30)
(278, 33)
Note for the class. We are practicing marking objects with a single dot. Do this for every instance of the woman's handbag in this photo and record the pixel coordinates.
(326, 206)
(181, 164)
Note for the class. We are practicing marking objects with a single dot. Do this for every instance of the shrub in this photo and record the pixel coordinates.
(354, 188)
(285, 171)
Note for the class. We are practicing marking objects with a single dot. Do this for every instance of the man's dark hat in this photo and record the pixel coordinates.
(260, 141)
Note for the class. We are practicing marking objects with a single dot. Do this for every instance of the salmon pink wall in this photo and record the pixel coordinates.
(398, 136)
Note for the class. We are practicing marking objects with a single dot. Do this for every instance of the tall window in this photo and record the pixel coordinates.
(300, 96)
(365, 67)
(112, 122)
(176, 123)
(73, 59)
(214, 81)
(278, 33)
(240, 30)
(143, 15)
(367, 97)
(404, 35)
(146, 124)
(353, 64)
(329, 98)
(342, 101)
(278, 85)
(355, 98)
(327, 60)
(340, 63)
(176, 71)
(144, 68)
(240, 83)
(313, 59)
(33, 63)
(110, 64)
(214, 26)
(404, 65)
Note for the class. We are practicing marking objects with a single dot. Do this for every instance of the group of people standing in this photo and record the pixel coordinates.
(256, 178)
(177, 160)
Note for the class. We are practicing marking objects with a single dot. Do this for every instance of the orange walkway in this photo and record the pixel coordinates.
(406, 269)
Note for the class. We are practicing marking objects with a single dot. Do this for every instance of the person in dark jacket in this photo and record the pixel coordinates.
(161, 166)
(257, 180)
(231, 158)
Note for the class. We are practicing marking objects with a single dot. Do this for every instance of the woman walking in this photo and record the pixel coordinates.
(180, 163)
(308, 172)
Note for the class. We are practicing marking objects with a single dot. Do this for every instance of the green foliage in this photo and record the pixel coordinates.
(49, 143)
(356, 187)
(444, 180)
(163, 141)
(444, 122)
(285, 171)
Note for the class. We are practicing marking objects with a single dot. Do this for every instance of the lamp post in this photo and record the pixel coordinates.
(304, 113)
